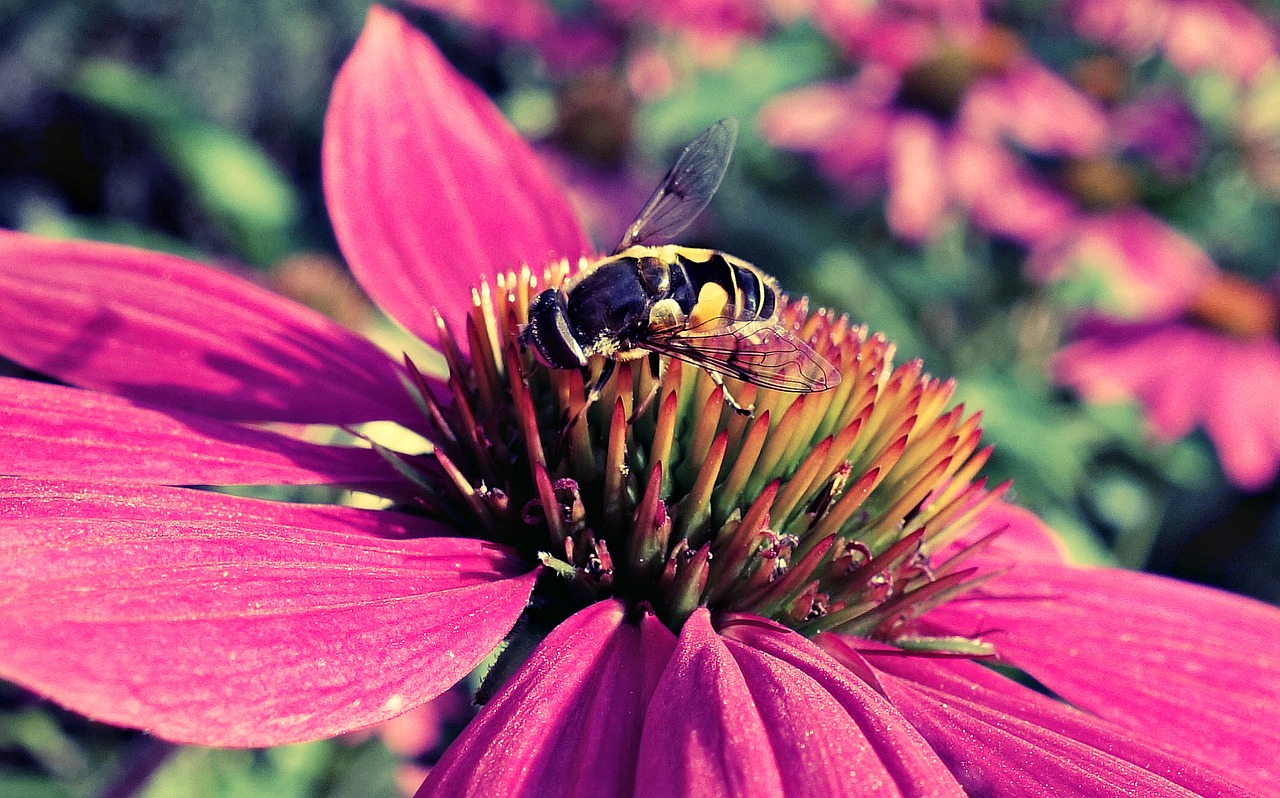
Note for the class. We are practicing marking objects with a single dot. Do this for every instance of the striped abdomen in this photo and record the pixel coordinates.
(748, 293)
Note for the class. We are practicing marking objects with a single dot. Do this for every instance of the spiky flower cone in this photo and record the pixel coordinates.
(822, 511)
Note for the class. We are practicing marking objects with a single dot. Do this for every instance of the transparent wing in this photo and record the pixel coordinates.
(754, 351)
(686, 189)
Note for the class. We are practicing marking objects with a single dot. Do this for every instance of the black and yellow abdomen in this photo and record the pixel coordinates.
(704, 284)
(748, 293)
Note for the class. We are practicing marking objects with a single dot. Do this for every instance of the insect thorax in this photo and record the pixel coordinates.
(608, 306)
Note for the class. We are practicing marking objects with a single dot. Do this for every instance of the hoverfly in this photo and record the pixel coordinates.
(701, 306)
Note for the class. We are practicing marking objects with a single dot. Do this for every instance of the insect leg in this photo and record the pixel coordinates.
(593, 388)
(592, 394)
(728, 397)
(655, 371)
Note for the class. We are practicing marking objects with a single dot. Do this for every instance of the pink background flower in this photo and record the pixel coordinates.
(1143, 344)
(1195, 35)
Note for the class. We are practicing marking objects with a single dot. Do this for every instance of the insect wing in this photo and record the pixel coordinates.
(687, 188)
(755, 351)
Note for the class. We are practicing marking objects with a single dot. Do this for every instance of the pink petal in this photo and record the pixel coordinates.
(1218, 35)
(703, 734)
(832, 732)
(917, 198)
(1241, 418)
(1021, 537)
(1186, 376)
(1002, 195)
(761, 711)
(1148, 269)
(900, 37)
(659, 644)
(1184, 665)
(847, 127)
(524, 20)
(567, 724)
(39, 498)
(1134, 26)
(1162, 366)
(173, 333)
(53, 431)
(1037, 109)
(1002, 739)
(807, 119)
(224, 628)
(428, 186)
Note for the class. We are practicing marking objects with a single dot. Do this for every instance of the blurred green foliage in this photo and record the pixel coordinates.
(322, 768)
(229, 175)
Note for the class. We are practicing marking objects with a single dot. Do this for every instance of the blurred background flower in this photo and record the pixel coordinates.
(1071, 206)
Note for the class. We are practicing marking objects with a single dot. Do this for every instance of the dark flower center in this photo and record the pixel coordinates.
(1238, 307)
(938, 84)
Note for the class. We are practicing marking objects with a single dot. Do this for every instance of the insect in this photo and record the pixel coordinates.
(650, 297)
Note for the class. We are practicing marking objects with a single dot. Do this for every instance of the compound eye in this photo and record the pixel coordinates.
(549, 332)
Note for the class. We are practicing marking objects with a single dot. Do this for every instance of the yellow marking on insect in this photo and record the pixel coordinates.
(695, 254)
(711, 301)
(665, 315)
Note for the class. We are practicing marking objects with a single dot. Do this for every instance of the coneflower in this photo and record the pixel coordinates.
(822, 511)
(693, 602)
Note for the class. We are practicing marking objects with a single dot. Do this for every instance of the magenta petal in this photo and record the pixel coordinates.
(762, 711)
(1219, 35)
(524, 20)
(917, 197)
(39, 498)
(1165, 367)
(1184, 665)
(1005, 741)
(1149, 270)
(428, 186)
(703, 735)
(567, 724)
(234, 629)
(1032, 106)
(56, 432)
(173, 333)
(1241, 419)
(833, 733)
(659, 644)
(1003, 195)
(1021, 536)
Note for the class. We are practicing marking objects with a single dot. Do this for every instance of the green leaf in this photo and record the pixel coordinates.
(232, 178)
(37, 734)
(31, 787)
(1025, 426)
(366, 771)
